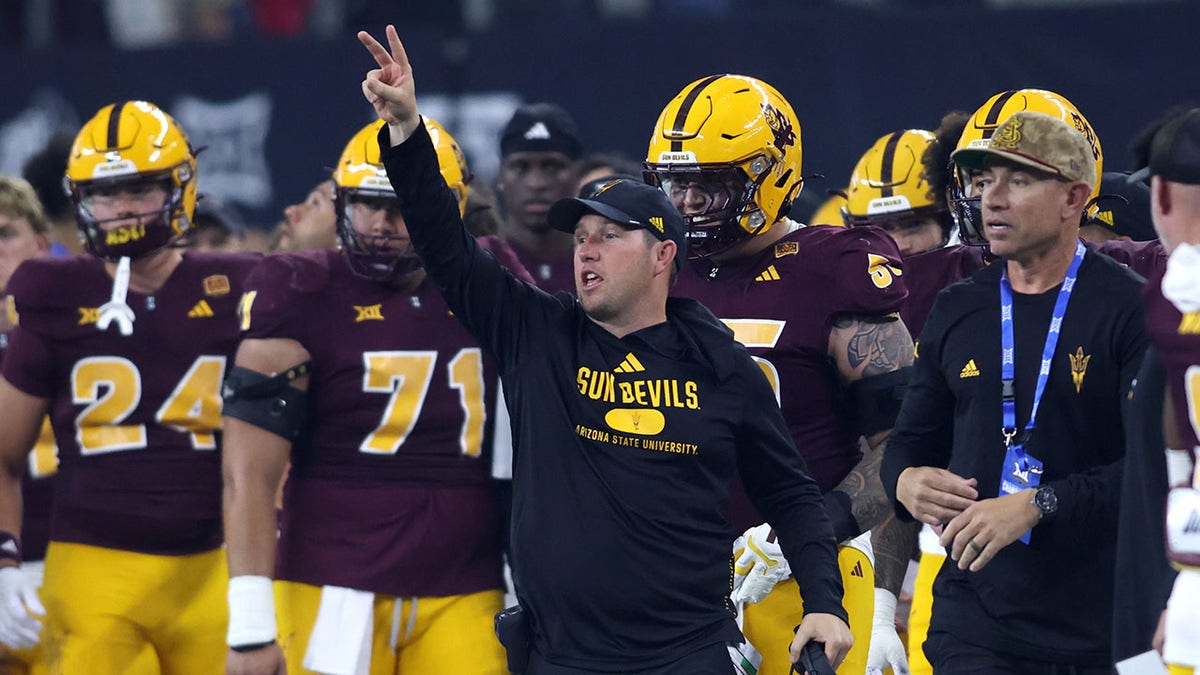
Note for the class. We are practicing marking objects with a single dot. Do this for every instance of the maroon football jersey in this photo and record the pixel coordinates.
(781, 304)
(1147, 258)
(551, 277)
(926, 274)
(37, 490)
(390, 489)
(1176, 338)
(136, 417)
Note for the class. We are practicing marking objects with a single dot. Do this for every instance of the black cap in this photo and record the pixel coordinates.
(541, 127)
(630, 203)
(1175, 150)
(1124, 207)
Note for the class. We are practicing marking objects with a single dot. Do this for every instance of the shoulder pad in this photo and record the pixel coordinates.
(1147, 258)
(39, 283)
(302, 272)
(863, 271)
(271, 290)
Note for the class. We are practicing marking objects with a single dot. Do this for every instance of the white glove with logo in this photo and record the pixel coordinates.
(19, 603)
(758, 565)
(887, 650)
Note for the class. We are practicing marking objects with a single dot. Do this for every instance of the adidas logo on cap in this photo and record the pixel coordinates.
(537, 132)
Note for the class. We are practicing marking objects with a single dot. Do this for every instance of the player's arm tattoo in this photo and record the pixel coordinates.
(863, 346)
(893, 542)
(869, 503)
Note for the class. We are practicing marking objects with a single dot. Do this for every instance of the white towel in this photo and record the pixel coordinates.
(1181, 282)
(341, 637)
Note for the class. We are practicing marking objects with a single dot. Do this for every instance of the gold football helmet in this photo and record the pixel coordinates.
(132, 162)
(887, 185)
(727, 151)
(361, 181)
(979, 130)
(829, 212)
(451, 162)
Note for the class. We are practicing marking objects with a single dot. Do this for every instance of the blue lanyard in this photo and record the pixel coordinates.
(1008, 399)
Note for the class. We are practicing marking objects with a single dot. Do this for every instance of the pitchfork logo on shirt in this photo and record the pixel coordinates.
(1079, 364)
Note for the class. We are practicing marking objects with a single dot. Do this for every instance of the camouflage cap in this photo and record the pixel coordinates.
(1038, 141)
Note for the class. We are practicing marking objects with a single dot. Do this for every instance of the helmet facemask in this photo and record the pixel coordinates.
(387, 257)
(965, 208)
(723, 197)
(150, 205)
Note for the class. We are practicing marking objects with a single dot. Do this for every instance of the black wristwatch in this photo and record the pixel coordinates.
(1045, 501)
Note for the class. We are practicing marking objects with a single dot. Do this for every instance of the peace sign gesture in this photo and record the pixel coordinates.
(389, 88)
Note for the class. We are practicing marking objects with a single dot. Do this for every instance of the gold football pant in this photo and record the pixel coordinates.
(768, 624)
(921, 612)
(411, 636)
(113, 612)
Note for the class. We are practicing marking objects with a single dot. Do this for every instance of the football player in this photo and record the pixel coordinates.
(309, 225)
(1171, 151)
(540, 151)
(24, 234)
(134, 575)
(353, 367)
(888, 191)
(815, 305)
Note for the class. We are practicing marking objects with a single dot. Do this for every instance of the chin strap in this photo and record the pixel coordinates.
(115, 308)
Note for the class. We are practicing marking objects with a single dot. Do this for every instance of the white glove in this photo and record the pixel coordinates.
(758, 565)
(19, 603)
(1182, 637)
(887, 651)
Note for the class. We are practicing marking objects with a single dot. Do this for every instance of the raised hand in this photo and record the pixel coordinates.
(390, 88)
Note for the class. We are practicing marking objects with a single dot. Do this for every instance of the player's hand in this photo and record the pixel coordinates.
(390, 88)
(825, 628)
(758, 565)
(977, 534)
(19, 605)
(266, 661)
(934, 495)
(886, 651)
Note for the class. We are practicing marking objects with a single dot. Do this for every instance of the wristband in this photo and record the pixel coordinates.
(10, 547)
(1179, 467)
(251, 613)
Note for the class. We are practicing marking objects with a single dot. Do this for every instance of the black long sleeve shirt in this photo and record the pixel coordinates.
(1144, 578)
(1049, 600)
(624, 449)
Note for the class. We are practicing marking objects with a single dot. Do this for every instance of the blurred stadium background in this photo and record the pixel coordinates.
(271, 87)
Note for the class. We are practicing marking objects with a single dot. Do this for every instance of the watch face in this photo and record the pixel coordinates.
(1045, 500)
